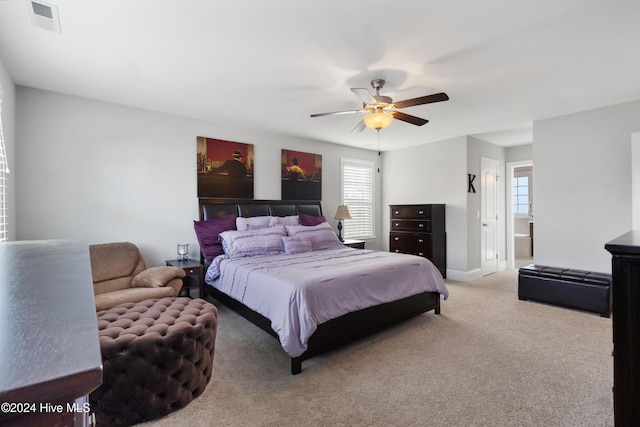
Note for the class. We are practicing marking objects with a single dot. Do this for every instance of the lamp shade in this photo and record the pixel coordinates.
(342, 213)
(378, 120)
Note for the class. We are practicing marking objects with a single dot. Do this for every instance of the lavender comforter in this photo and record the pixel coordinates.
(299, 292)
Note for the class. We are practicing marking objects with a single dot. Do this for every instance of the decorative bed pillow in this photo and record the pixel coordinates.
(155, 277)
(266, 241)
(252, 223)
(296, 245)
(311, 220)
(285, 220)
(321, 236)
(213, 272)
(207, 234)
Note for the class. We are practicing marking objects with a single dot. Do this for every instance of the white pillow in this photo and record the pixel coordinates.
(252, 223)
(321, 236)
(285, 220)
(266, 241)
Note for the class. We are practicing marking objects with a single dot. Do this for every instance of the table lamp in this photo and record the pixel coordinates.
(183, 251)
(341, 213)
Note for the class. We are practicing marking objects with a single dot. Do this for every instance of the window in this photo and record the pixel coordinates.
(357, 194)
(521, 195)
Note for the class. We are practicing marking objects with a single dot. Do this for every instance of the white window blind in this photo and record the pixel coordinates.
(357, 191)
(4, 170)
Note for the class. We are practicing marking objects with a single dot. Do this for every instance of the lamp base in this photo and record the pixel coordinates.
(340, 230)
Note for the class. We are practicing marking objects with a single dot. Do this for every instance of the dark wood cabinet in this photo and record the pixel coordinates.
(420, 230)
(625, 289)
(50, 349)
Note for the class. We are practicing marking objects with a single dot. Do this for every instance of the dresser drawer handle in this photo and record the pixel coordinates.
(397, 250)
(397, 238)
(421, 225)
(420, 212)
(396, 212)
(397, 225)
(420, 253)
(420, 241)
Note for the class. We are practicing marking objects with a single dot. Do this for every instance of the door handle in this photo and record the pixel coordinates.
(484, 224)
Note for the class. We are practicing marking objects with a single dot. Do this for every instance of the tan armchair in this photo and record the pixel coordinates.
(120, 275)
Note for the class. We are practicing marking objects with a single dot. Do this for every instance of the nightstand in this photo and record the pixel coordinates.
(194, 277)
(356, 244)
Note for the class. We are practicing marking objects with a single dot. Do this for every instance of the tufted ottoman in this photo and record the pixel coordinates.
(157, 356)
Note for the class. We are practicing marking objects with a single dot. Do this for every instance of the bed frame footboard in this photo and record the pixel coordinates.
(344, 329)
(359, 324)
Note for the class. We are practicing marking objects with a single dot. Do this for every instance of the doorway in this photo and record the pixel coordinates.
(489, 215)
(520, 214)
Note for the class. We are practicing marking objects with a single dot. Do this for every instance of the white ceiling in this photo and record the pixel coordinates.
(268, 65)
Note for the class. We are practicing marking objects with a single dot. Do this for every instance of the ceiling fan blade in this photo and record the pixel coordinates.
(364, 95)
(337, 113)
(436, 97)
(409, 119)
(359, 127)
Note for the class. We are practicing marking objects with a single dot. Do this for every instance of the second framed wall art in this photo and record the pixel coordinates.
(301, 175)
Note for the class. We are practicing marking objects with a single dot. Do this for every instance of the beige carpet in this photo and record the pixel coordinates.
(487, 360)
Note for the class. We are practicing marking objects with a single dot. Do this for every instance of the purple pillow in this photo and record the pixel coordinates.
(265, 241)
(296, 245)
(321, 235)
(207, 233)
(311, 220)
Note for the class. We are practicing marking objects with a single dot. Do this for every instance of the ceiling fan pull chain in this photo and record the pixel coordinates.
(378, 150)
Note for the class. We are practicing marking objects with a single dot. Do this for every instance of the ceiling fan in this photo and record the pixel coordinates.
(381, 110)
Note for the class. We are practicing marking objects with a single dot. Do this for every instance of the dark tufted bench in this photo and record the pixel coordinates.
(157, 357)
(579, 289)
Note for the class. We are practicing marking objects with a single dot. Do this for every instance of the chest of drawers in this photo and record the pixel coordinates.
(420, 230)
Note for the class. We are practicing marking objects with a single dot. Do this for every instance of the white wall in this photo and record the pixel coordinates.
(8, 131)
(519, 153)
(89, 170)
(102, 172)
(431, 173)
(583, 185)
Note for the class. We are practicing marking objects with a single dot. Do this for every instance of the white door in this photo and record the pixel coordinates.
(489, 215)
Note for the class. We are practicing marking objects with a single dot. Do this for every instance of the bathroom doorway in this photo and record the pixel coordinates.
(520, 214)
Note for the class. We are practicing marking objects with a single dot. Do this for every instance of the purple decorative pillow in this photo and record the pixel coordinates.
(321, 236)
(265, 241)
(207, 234)
(310, 220)
(296, 245)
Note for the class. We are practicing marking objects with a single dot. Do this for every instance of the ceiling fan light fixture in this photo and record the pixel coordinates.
(378, 120)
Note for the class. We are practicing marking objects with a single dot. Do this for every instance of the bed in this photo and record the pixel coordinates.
(245, 283)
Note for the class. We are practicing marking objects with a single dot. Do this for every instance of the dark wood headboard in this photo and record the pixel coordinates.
(214, 208)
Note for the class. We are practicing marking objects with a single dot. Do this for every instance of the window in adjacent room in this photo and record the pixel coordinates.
(521, 201)
(357, 195)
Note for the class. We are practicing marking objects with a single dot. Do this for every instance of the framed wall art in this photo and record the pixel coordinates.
(225, 168)
(301, 175)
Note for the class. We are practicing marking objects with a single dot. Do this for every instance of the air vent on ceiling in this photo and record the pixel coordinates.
(44, 15)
